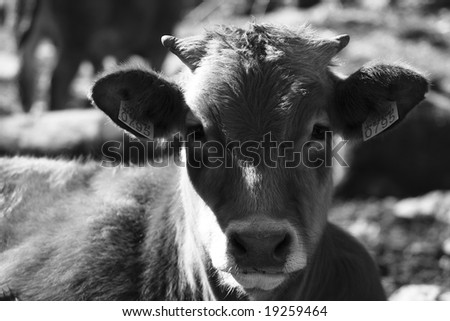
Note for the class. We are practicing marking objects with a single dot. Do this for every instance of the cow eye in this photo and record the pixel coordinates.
(197, 132)
(318, 132)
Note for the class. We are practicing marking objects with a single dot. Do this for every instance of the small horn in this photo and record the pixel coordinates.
(342, 41)
(189, 50)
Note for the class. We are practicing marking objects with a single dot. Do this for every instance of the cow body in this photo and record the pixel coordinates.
(198, 228)
(63, 236)
(89, 31)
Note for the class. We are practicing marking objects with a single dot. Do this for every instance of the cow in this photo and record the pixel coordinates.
(198, 228)
(88, 30)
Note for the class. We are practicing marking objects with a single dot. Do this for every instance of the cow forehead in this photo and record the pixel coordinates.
(256, 81)
(262, 43)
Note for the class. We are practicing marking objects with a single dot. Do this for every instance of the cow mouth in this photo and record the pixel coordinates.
(259, 280)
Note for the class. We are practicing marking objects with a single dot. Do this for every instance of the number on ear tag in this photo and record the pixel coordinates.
(379, 123)
(145, 129)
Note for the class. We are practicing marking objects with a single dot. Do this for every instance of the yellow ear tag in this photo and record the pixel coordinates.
(376, 124)
(145, 129)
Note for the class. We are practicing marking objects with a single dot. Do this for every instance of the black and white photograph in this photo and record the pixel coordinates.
(212, 150)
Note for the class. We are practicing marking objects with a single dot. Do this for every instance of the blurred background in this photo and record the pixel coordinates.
(395, 195)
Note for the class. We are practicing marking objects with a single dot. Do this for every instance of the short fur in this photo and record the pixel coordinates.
(125, 247)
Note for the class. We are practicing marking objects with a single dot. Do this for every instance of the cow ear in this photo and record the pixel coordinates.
(140, 101)
(374, 98)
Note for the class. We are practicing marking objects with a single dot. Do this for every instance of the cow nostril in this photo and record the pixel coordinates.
(237, 245)
(260, 249)
(282, 248)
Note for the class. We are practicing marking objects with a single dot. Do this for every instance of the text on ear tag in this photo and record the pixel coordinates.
(146, 129)
(376, 124)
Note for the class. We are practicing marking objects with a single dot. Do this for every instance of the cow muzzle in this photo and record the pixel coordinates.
(260, 251)
(260, 254)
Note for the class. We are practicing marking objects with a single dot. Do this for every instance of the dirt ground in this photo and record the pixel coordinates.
(410, 237)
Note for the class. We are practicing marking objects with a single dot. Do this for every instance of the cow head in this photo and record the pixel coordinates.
(255, 101)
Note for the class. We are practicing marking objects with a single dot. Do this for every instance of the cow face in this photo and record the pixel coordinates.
(254, 113)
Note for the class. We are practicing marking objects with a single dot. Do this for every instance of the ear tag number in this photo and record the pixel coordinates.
(145, 129)
(376, 124)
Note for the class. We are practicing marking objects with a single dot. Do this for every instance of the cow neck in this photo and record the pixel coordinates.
(175, 268)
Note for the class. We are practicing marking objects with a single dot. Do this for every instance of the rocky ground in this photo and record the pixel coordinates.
(394, 198)
(409, 239)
